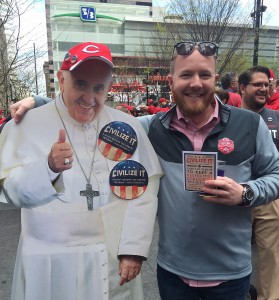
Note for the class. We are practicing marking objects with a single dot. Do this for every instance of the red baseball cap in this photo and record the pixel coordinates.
(85, 51)
(272, 75)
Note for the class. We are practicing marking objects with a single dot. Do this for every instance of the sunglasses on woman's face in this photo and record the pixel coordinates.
(205, 48)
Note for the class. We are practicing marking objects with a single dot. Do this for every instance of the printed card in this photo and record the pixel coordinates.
(198, 167)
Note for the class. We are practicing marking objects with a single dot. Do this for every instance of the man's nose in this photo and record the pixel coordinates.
(195, 81)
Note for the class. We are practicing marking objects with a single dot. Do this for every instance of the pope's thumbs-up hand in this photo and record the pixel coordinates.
(60, 157)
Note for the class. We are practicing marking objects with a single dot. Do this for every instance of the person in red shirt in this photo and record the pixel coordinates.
(230, 83)
(273, 100)
(2, 118)
(153, 108)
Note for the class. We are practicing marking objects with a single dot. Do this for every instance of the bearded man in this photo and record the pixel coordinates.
(204, 242)
(255, 84)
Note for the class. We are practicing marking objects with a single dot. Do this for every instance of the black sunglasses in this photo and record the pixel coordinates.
(205, 48)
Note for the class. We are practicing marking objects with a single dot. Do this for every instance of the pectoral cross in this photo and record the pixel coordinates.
(89, 194)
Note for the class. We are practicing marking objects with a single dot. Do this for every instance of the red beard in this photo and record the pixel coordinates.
(193, 107)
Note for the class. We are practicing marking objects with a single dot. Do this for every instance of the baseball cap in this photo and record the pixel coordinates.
(272, 75)
(85, 51)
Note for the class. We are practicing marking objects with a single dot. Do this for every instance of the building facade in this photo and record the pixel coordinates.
(65, 28)
(128, 28)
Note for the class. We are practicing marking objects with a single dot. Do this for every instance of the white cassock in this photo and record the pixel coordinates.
(67, 252)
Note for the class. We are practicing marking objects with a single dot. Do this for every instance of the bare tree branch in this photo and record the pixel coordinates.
(224, 22)
(16, 54)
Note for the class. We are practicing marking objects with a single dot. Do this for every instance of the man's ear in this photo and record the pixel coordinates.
(170, 80)
(242, 88)
(217, 76)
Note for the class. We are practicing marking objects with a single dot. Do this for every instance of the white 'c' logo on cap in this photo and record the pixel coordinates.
(88, 50)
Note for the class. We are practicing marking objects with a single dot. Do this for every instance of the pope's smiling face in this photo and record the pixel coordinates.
(84, 90)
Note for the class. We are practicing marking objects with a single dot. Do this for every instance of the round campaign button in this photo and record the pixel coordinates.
(67, 56)
(117, 141)
(74, 59)
(128, 179)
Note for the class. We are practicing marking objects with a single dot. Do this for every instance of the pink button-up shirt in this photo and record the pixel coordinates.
(197, 137)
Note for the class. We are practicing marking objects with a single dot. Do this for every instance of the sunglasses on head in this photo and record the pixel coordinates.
(205, 48)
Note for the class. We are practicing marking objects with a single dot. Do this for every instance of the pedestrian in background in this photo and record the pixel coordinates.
(273, 99)
(222, 94)
(254, 85)
(229, 83)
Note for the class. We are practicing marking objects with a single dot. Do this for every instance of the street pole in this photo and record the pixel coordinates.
(147, 96)
(259, 8)
(35, 63)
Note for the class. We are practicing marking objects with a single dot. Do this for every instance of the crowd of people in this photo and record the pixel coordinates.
(71, 163)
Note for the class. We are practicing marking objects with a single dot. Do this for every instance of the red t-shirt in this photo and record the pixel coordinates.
(2, 120)
(273, 101)
(234, 100)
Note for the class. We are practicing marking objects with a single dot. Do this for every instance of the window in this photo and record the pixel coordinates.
(114, 48)
(105, 29)
(65, 46)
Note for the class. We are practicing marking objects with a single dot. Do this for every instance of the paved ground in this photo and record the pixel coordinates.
(9, 234)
